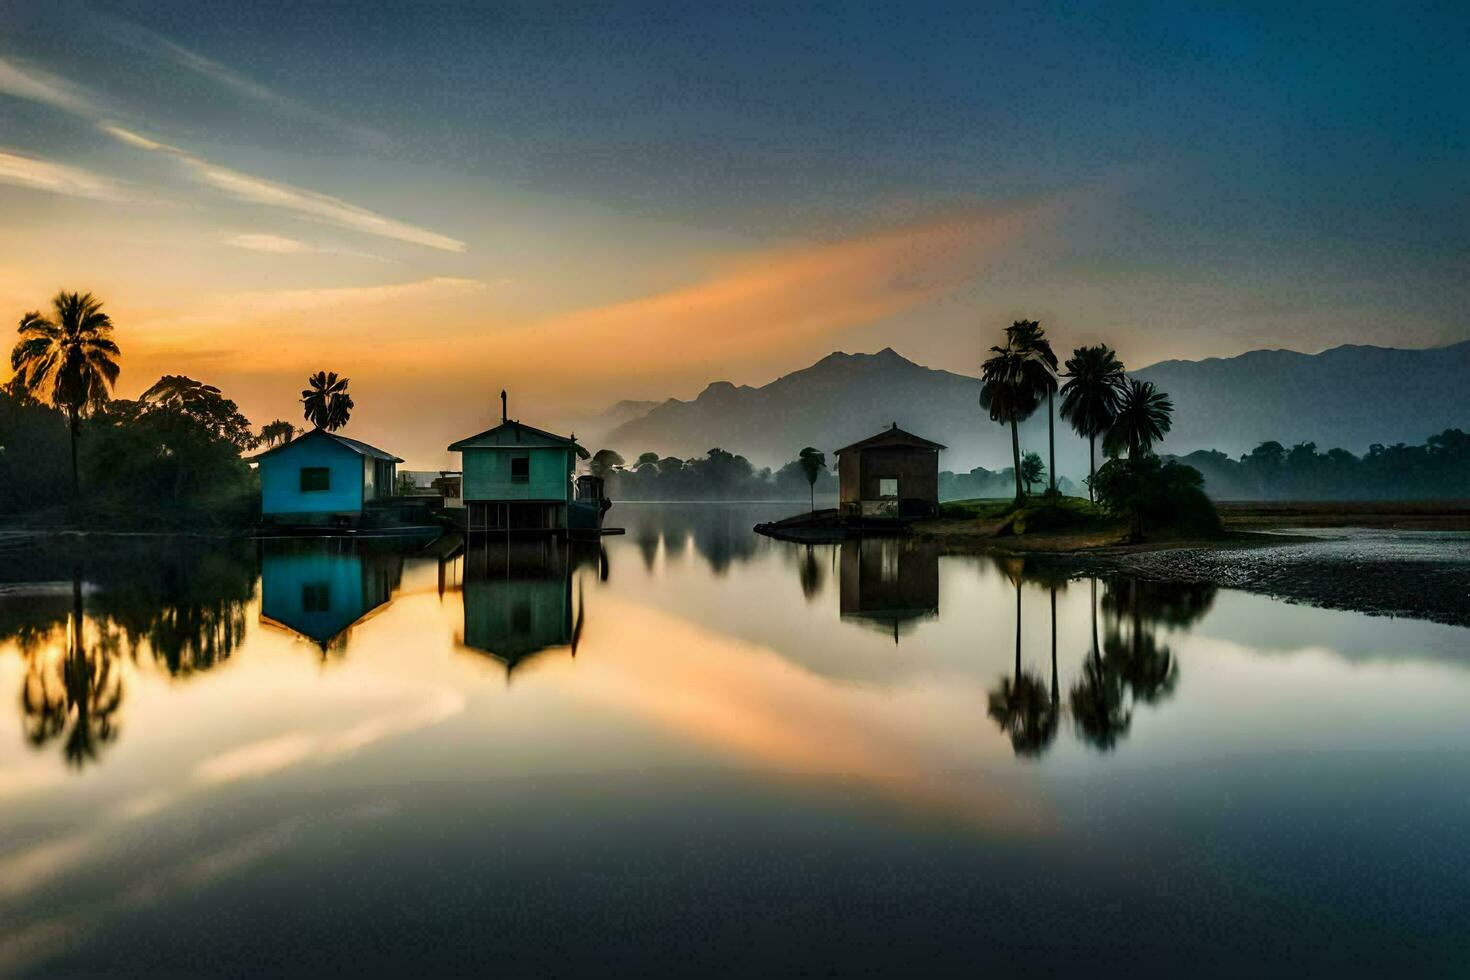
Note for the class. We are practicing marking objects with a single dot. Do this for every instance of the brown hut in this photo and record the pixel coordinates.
(892, 474)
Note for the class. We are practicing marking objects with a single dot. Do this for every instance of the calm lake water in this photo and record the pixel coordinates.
(695, 750)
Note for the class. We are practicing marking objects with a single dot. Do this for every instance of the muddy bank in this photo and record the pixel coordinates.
(1425, 575)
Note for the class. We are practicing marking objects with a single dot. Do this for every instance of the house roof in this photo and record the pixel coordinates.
(361, 448)
(893, 437)
(517, 434)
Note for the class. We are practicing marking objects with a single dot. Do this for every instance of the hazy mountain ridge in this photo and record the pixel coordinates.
(1348, 396)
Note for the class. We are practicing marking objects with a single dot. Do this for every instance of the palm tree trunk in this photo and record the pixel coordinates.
(1055, 692)
(1094, 620)
(1018, 629)
(76, 483)
(1051, 443)
(1016, 456)
(1091, 467)
(812, 491)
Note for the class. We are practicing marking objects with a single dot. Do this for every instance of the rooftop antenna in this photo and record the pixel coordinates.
(502, 406)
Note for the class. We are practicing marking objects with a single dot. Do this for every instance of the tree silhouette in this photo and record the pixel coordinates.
(69, 362)
(1010, 394)
(604, 461)
(812, 465)
(1090, 398)
(82, 703)
(327, 405)
(811, 575)
(1028, 337)
(279, 431)
(202, 406)
(1098, 701)
(1033, 470)
(1019, 704)
(1144, 415)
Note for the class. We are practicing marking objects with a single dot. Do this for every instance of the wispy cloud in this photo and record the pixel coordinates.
(155, 44)
(259, 190)
(281, 245)
(37, 86)
(58, 178)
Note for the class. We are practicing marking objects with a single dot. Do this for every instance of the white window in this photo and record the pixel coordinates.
(888, 487)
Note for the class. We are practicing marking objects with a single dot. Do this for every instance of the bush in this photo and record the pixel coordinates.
(1147, 491)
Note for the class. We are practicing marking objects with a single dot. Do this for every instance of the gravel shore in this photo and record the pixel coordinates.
(1421, 574)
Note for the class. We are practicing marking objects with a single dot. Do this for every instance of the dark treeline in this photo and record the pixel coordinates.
(1440, 468)
(76, 607)
(176, 449)
(980, 482)
(718, 475)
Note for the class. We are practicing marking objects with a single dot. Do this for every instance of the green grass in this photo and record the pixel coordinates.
(978, 508)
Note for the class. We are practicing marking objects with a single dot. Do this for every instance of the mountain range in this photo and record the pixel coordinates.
(1349, 396)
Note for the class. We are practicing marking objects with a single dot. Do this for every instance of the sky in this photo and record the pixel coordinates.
(586, 203)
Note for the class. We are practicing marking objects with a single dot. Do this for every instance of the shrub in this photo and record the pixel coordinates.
(1163, 495)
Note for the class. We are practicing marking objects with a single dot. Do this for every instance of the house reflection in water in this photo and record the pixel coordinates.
(518, 596)
(889, 584)
(321, 588)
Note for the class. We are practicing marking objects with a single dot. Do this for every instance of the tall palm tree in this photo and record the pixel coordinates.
(1009, 393)
(1090, 398)
(1019, 705)
(1029, 337)
(327, 403)
(1144, 415)
(69, 362)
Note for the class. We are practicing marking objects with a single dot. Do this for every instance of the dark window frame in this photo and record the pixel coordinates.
(325, 473)
(524, 477)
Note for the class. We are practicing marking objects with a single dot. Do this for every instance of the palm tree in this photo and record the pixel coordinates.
(1098, 700)
(1019, 704)
(279, 431)
(1144, 415)
(1029, 337)
(812, 464)
(1090, 398)
(328, 405)
(70, 362)
(1009, 393)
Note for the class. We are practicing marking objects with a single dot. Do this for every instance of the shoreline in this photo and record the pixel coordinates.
(1380, 558)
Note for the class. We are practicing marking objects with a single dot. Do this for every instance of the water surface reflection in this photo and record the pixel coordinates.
(713, 741)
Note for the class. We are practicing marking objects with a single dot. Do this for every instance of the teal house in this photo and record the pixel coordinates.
(518, 599)
(518, 477)
(323, 478)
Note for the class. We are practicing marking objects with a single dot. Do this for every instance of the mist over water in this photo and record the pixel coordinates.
(694, 744)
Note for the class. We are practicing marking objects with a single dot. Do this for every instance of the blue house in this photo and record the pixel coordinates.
(323, 478)
(322, 595)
